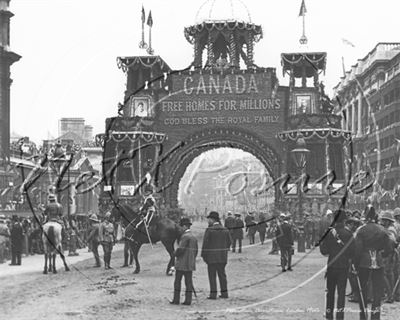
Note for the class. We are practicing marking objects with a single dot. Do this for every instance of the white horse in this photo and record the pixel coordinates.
(52, 244)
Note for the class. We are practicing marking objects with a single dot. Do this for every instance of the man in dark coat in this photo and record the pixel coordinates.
(284, 237)
(216, 244)
(185, 263)
(238, 233)
(17, 240)
(373, 243)
(352, 223)
(308, 230)
(230, 224)
(262, 227)
(339, 245)
(251, 227)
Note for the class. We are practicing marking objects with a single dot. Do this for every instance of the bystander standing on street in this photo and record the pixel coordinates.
(4, 238)
(107, 239)
(17, 240)
(93, 238)
(339, 246)
(185, 263)
(216, 244)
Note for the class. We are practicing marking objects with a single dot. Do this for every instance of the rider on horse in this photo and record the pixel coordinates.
(53, 211)
(148, 209)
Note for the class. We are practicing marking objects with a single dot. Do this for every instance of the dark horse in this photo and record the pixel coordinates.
(160, 229)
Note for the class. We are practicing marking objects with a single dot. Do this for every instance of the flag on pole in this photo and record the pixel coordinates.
(150, 20)
(303, 9)
(347, 42)
(143, 15)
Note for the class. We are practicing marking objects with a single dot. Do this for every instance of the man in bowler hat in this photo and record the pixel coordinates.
(216, 244)
(284, 237)
(185, 263)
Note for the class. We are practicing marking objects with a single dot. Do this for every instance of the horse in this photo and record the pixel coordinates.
(160, 229)
(52, 239)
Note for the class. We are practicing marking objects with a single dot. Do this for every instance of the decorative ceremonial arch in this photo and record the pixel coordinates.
(204, 140)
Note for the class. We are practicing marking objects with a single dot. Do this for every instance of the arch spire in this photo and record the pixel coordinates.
(302, 13)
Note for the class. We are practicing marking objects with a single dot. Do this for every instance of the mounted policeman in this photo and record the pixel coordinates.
(53, 211)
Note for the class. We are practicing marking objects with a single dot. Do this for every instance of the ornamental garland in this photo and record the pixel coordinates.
(190, 32)
(126, 63)
(134, 136)
(307, 134)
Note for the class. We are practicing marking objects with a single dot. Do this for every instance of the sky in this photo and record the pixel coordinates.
(69, 48)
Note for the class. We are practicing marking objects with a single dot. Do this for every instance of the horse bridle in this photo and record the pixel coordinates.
(134, 227)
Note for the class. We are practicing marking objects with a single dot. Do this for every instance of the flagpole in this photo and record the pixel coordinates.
(150, 24)
(303, 10)
(143, 44)
(150, 49)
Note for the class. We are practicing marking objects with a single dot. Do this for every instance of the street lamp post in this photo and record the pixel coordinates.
(300, 157)
(59, 160)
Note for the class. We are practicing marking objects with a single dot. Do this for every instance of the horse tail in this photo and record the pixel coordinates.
(51, 237)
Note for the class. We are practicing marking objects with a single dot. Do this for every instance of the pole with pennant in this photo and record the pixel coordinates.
(142, 43)
(150, 24)
(302, 13)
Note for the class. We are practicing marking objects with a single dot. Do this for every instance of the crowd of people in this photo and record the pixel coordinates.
(21, 236)
(362, 249)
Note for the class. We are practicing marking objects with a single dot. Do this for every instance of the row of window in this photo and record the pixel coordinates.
(391, 118)
(384, 143)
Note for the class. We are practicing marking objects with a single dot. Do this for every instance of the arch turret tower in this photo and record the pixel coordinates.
(223, 35)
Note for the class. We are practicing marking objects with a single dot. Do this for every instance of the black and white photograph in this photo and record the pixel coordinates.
(199, 159)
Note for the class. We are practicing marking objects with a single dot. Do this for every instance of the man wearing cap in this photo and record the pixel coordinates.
(107, 239)
(185, 263)
(93, 237)
(308, 230)
(4, 235)
(262, 227)
(339, 245)
(216, 244)
(284, 237)
(237, 234)
(372, 244)
(17, 239)
(230, 224)
(251, 226)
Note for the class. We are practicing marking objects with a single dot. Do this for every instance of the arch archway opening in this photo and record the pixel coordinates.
(225, 179)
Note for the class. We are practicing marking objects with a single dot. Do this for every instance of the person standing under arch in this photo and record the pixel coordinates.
(216, 244)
